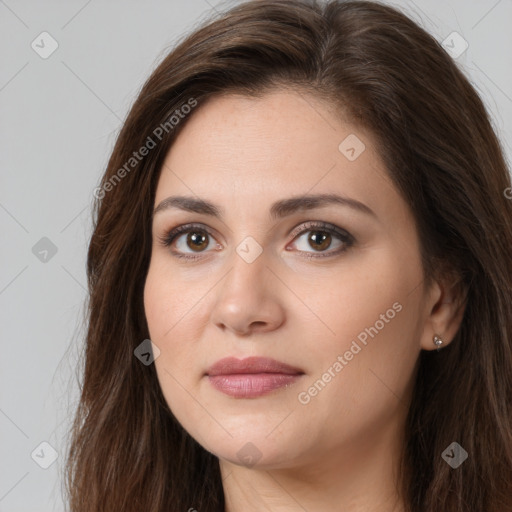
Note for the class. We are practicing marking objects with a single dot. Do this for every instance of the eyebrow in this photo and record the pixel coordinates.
(279, 209)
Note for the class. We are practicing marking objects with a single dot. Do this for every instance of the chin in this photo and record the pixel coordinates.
(255, 449)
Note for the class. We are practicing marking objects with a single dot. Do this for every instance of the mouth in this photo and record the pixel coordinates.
(251, 377)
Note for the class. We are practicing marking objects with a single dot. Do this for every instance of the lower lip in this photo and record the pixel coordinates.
(250, 385)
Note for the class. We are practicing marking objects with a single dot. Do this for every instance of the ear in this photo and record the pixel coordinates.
(444, 310)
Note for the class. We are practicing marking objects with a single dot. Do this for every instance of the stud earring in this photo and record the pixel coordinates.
(438, 342)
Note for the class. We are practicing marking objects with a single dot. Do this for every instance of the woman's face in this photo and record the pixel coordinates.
(333, 289)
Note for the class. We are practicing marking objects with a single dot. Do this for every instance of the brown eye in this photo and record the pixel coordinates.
(320, 240)
(321, 236)
(187, 240)
(314, 242)
(197, 240)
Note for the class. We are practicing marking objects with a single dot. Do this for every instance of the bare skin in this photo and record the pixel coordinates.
(335, 448)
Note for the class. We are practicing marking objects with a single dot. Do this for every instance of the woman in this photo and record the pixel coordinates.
(300, 280)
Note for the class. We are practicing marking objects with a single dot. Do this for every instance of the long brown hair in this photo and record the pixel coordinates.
(381, 71)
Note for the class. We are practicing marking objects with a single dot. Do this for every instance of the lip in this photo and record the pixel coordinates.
(232, 365)
(251, 377)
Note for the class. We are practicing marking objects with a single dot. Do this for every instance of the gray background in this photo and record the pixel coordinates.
(59, 120)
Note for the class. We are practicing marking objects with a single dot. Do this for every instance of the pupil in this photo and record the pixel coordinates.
(197, 240)
(319, 237)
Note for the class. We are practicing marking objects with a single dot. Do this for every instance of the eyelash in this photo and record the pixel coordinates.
(347, 239)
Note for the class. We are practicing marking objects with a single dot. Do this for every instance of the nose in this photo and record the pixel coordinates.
(248, 298)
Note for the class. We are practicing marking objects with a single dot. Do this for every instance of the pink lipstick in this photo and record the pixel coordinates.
(251, 377)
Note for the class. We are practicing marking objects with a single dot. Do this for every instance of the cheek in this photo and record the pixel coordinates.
(373, 313)
(171, 309)
(162, 318)
(158, 308)
(168, 301)
(353, 296)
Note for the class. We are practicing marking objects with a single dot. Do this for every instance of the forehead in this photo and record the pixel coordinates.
(279, 126)
(252, 151)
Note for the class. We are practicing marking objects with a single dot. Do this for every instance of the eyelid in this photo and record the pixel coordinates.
(309, 225)
(170, 235)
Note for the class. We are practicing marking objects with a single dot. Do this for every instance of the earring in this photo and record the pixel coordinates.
(438, 342)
